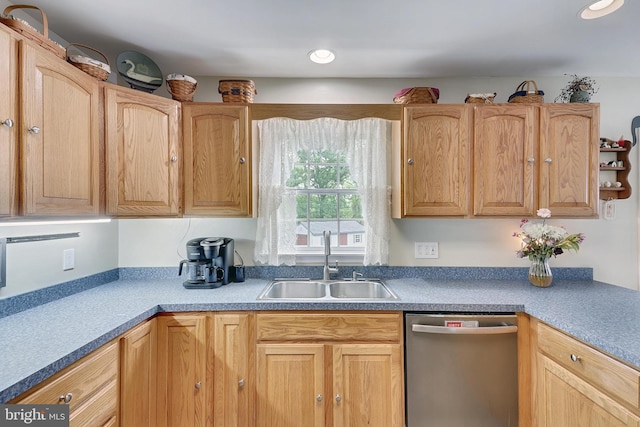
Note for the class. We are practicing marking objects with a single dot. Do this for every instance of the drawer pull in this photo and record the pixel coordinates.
(242, 160)
(198, 385)
(338, 398)
(531, 159)
(7, 122)
(34, 130)
(241, 383)
(319, 398)
(575, 358)
(65, 398)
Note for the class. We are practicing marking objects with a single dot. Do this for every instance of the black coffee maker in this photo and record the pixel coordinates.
(209, 262)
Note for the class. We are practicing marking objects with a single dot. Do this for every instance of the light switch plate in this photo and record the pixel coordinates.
(426, 249)
(68, 259)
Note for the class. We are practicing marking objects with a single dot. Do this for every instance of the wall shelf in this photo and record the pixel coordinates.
(621, 172)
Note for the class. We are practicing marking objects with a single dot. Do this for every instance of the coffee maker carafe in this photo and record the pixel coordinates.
(209, 262)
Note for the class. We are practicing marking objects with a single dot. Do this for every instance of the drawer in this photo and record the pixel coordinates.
(99, 410)
(329, 326)
(82, 379)
(604, 372)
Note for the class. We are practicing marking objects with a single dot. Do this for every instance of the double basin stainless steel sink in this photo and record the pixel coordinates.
(309, 289)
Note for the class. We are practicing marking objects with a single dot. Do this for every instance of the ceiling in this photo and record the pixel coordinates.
(371, 38)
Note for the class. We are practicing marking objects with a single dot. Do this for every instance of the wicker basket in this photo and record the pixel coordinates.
(99, 70)
(417, 95)
(181, 87)
(525, 95)
(31, 33)
(237, 90)
(480, 98)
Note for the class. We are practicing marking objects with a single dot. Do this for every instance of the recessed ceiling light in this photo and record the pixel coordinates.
(322, 56)
(600, 8)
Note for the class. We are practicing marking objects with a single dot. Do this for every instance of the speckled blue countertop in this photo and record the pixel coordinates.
(39, 341)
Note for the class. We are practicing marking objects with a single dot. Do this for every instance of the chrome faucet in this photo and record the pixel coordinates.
(326, 271)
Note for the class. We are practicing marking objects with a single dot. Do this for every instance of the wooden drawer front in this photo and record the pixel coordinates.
(98, 411)
(82, 379)
(322, 326)
(604, 372)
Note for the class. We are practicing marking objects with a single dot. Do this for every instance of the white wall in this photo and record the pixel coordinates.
(610, 248)
(34, 265)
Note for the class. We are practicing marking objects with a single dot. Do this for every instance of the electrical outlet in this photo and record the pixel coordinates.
(426, 249)
(68, 259)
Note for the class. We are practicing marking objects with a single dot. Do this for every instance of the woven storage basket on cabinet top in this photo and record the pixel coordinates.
(181, 87)
(417, 95)
(31, 33)
(99, 70)
(237, 90)
(480, 98)
(524, 94)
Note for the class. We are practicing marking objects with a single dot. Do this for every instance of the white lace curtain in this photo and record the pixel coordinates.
(365, 143)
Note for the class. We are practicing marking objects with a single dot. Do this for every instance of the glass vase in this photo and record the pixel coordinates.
(540, 272)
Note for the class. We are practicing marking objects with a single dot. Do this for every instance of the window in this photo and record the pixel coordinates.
(323, 174)
(327, 198)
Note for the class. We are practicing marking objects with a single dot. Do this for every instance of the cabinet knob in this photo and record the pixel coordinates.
(198, 385)
(174, 159)
(547, 160)
(241, 383)
(319, 398)
(242, 160)
(7, 122)
(410, 161)
(66, 398)
(34, 130)
(531, 159)
(338, 398)
(575, 358)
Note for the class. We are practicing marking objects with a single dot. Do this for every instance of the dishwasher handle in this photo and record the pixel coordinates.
(487, 330)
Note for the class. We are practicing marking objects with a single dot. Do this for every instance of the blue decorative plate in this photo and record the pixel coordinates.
(139, 71)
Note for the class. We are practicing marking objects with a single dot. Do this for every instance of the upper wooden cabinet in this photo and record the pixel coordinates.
(504, 159)
(524, 157)
(569, 152)
(217, 160)
(434, 161)
(8, 123)
(59, 136)
(142, 134)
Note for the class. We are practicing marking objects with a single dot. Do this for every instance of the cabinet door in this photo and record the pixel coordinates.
(569, 141)
(290, 385)
(138, 376)
(435, 161)
(59, 135)
(217, 160)
(233, 382)
(8, 123)
(142, 154)
(182, 371)
(565, 400)
(505, 143)
(368, 385)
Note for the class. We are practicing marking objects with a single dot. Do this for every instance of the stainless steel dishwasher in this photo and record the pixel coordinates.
(462, 370)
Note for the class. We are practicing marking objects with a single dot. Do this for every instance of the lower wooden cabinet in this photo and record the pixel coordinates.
(89, 386)
(575, 385)
(138, 367)
(234, 383)
(339, 369)
(183, 379)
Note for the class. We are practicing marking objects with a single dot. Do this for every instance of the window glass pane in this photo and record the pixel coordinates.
(350, 206)
(302, 234)
(299, 177)
(345, 178)
(302, 205)
(323, 176)
(323, 206)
